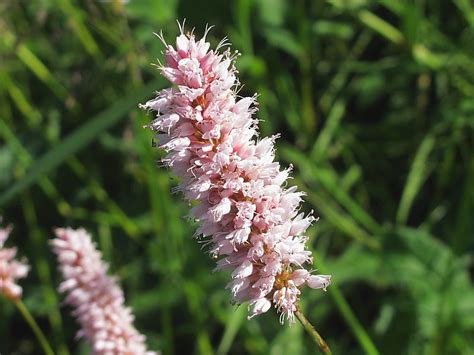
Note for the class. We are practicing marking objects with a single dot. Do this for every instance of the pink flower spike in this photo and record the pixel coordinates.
(98, 301)
(230, 175)
(10, 269)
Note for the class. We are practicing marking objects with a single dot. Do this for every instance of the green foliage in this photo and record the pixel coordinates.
(374, 103)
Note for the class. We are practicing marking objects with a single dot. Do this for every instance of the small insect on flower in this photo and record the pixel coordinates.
(211, 138)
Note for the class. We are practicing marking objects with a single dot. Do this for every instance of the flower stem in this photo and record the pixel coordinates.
(323, 346)
(34, 326)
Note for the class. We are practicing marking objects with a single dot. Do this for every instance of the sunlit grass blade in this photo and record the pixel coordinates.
(416, 176)
(204, 343)
(466, 8)
(75, 19)
(231, 329)
(381, 26)
(420, 52)
(40, 70)
(20, 100)
(327, 133)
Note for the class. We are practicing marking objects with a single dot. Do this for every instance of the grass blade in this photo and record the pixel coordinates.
(322, 143)
(357, 329)
(232, 326)
(40, 70)
(78, 140)
(416, 177)
(381, 26)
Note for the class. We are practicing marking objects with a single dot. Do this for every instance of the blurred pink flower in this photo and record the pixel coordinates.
(98, 301)
(212, 141)
(10, 269)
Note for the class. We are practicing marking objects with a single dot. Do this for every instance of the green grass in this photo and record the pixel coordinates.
(374, 101)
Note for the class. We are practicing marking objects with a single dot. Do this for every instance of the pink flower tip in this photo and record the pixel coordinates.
(319, 281)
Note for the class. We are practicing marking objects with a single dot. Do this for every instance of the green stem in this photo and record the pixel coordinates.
(313, 333)
(34, 326)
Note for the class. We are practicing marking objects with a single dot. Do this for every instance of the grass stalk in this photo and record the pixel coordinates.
(34, 327)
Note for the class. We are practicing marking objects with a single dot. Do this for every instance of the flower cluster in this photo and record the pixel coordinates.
(10, 269)
(212, 145)
(105, 323)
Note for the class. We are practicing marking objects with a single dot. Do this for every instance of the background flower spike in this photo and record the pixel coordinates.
(10, 269)
(106, 324)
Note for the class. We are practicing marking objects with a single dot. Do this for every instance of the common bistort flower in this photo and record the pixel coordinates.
(245, 209)
(106, 324)
(10, 269)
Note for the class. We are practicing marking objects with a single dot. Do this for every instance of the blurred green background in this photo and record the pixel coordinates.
(374, 101)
